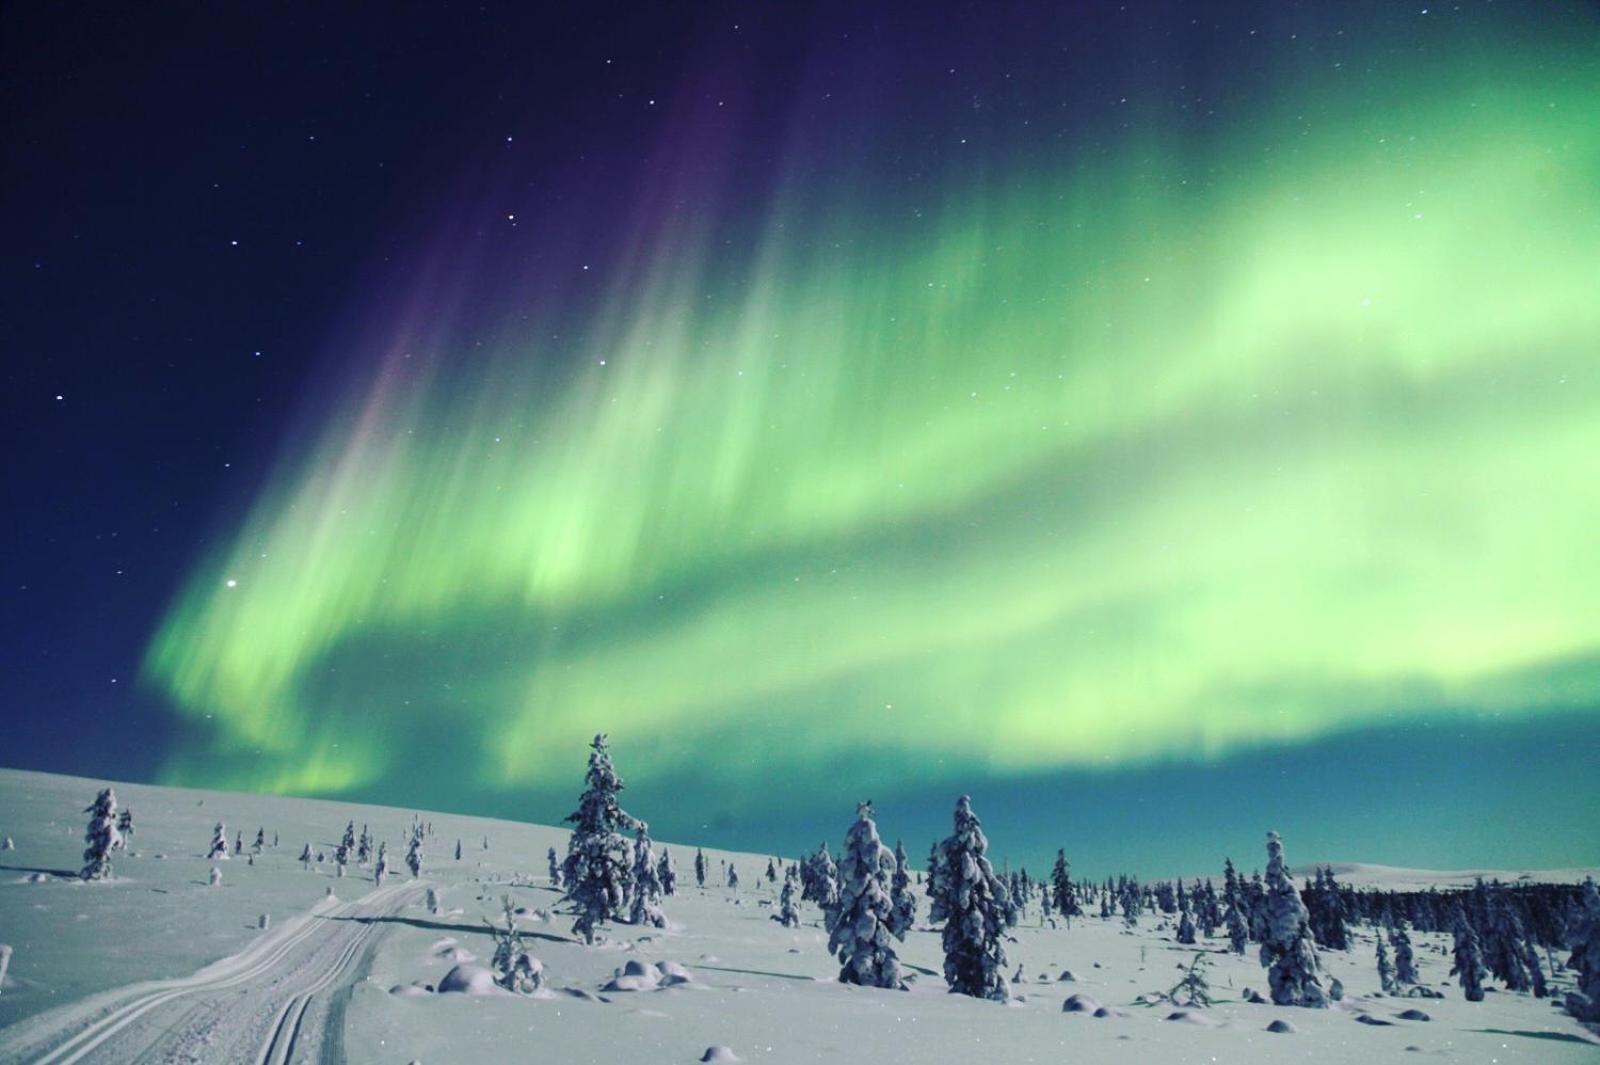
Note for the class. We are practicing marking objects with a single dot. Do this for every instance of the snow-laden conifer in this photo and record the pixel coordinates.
(699, 867)
(787, 915)
(1185, 933)
(1061, 894)
(646, 881)
(903, 900)
(1405, 963)
(381, 869)
(1505, 955)
(414, 851)
(1287, 951)
(101, 835)
(1467, 956)
(1385, 970)
(667, 872)
(860, 923)
(596, 871)
(819, 879)
(218, 852)
(1583, 936)
(974, 907)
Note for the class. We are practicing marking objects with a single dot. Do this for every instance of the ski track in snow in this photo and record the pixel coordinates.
(267, 1005)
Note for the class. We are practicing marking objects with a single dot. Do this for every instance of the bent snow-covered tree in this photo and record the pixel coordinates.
(1287, 951)
(596, 872)
(974, 906)
(101, 835)
(860, 924)
(646, 882)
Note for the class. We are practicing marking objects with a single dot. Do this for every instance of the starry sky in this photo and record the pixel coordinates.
(1162, 421)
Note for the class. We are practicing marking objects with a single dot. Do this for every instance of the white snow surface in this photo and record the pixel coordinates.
(155, 965)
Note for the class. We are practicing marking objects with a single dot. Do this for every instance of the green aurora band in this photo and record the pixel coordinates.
(1159, 453)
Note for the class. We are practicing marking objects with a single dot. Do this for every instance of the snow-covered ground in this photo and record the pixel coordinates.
(159, 965)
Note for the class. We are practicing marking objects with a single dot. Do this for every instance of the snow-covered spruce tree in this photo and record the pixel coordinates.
(101, 835)
(667, 873)
(646, 881)
(1504, 953)
(787, 915)
(348, 840)
(1405, 963)
(414, 851)
(596, 873)
(218, 851)
(733, 877)
(860, 923)
(1385, 970)
(772, 872)
(699, 867)
(1583, 936)
(1287, 950)
(238, 842)
(902, 899)
(972, 903)
(819, 879)
(124, 826)
(458, 850)
(341, 855)
(305, 857)
(260, 842)
(554, 864)
(1132, 902)
(1468, 958)
(381, 870)
(1185, 934)
(364, 849)
(1061, 894)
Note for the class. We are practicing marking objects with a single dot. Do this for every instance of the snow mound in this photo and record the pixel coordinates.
(1188, 1017)
(1282, 1027)
(636, 975)
(718, 1053)
(469, 980)
(1413, 1015)
(1376, 1022)
(1066, 977)
(408, 991)
(1080, 1003)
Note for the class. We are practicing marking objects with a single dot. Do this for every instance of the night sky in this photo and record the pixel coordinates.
(1162, 421)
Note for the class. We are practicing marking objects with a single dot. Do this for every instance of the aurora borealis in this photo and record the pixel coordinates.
(1069, 422)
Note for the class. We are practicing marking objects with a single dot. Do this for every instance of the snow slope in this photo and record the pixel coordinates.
(158, 965)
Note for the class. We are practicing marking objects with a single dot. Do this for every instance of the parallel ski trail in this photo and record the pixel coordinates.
(279, 961)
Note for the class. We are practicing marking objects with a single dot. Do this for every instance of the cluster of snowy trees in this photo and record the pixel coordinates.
(605, 876)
